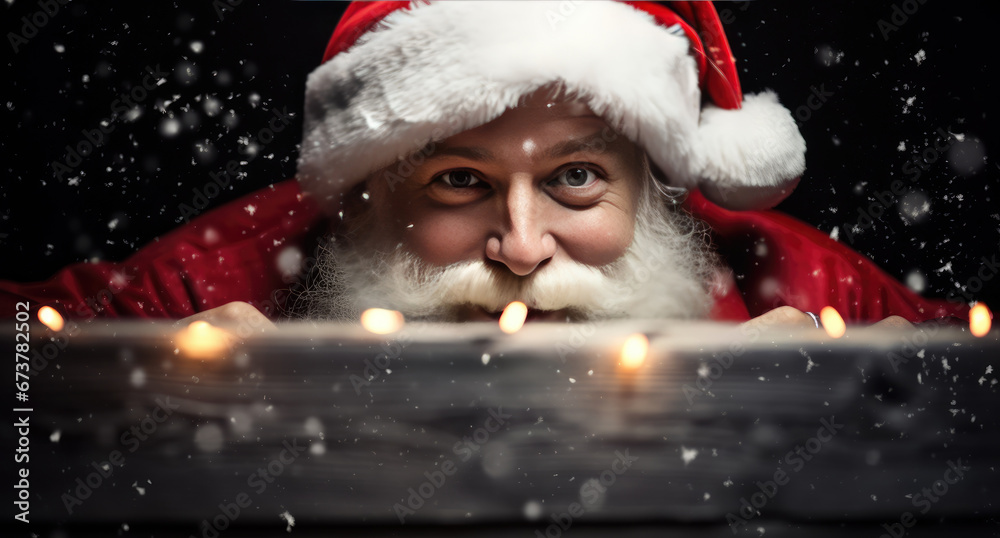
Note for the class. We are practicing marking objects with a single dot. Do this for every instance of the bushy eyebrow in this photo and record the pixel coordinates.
(593, 142)
(469, 152)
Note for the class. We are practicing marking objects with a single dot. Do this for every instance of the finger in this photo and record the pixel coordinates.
(894, 322)
(238, 315)
(784, 316)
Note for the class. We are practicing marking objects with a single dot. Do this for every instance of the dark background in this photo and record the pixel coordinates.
(889, 100)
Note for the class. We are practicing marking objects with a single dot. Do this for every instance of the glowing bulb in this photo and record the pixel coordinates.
(832, 322)
(202, 340)
(980, 320)
(513, 317)
(381, 321)
(634, 351)
(50, 318)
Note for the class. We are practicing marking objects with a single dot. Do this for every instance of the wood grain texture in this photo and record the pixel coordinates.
(712, 412)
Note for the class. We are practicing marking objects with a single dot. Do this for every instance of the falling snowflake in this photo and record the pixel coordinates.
(688, 454)
(288, 519)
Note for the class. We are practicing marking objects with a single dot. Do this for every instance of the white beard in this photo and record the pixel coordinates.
(665, 273)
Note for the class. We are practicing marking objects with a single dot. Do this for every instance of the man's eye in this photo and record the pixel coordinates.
(459, 179)
(575, 177)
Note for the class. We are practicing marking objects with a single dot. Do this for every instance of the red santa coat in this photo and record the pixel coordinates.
(247, 251)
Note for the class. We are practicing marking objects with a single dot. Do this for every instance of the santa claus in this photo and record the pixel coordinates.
(590, 159)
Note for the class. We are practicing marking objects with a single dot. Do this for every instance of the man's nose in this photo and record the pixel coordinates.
(525, 241)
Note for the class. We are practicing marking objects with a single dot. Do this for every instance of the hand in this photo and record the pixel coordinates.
(894, 322)
(788, 316)
(239, 317)
(785, 316)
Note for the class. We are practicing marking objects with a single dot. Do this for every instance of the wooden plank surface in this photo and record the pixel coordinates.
(849, 431)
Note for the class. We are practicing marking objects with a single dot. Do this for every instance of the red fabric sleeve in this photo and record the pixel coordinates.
(233, 253)
(780, 261)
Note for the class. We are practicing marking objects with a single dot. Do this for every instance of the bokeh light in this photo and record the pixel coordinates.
(634, 351)
(381, 321)
(832, 322)
(50, 318)
(513, 317)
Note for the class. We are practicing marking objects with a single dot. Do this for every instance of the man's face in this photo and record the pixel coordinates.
(547, 182)
(540, 183)
(546, 205)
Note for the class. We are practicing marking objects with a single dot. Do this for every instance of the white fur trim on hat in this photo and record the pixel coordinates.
(438, 69)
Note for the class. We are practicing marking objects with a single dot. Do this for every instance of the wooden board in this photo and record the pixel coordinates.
(351, 428)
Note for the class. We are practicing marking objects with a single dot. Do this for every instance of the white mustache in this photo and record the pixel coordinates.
(555, 286)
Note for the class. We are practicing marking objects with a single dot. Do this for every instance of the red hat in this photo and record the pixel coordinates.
(399, 75)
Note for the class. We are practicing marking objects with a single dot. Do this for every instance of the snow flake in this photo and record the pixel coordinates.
(688, 454)
(532, 510)
(251, 209)
(288, 519)
(137, 378)
(289, 260)
(170, 127)
(909, 102)
(916, 281)
(212, 106)
(313, 426)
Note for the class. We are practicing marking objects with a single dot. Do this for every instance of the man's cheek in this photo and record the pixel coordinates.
(444, 241)
(596, 239)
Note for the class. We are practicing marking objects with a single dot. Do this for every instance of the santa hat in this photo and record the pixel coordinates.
(399, 75)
